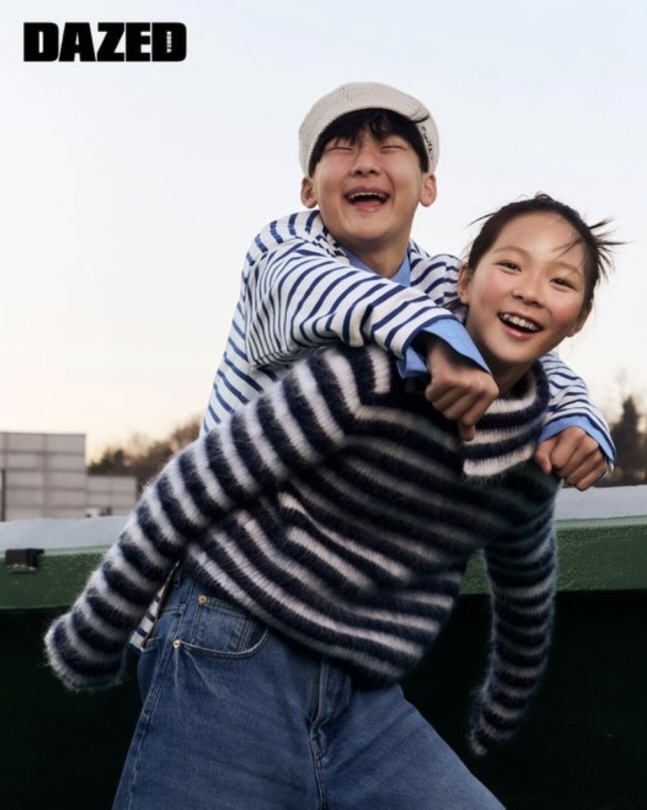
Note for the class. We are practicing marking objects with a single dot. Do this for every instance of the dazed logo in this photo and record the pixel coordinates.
(112, 42)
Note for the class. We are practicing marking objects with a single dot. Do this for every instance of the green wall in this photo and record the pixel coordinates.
(582, 747)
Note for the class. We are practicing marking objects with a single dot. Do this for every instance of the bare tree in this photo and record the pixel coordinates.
(631, 445)
(144, 457)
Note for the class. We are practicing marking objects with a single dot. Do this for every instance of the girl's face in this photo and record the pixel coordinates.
(526, 294)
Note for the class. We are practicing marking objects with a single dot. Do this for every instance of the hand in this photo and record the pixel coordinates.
(459, 389)
(574, 456)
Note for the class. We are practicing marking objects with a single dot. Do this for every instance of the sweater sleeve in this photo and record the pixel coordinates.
(302, 419)
(522, 577)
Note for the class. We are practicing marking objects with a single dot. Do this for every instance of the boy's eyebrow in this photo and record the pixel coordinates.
(567, 265)
(358, 137)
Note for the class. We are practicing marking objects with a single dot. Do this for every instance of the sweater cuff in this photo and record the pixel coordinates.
(77, 665)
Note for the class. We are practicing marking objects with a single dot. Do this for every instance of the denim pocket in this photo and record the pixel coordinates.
(223, 629)
(152, 655)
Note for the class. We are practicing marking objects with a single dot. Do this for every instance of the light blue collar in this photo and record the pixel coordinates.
(403, 276)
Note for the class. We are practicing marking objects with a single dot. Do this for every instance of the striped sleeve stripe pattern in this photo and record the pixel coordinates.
(570, 404)
(523, 615)
(254, 451)
(299, 292)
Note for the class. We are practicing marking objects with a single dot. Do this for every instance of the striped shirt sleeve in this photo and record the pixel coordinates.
(571, 406)
(298, 298)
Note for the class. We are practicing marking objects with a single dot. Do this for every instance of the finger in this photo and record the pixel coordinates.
(445, 398)
(587, 474)
(579, 464)
(588, 480)
(466, 432)
(471, 410)
(571, 448)
(542, 456)
(458, 410)
(472, 388)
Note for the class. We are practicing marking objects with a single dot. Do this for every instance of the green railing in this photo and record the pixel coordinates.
(602, 538)
(583, 745)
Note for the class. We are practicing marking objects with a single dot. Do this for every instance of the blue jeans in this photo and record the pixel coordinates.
(237, 717)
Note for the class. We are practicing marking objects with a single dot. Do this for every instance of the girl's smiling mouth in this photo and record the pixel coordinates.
(519, 323)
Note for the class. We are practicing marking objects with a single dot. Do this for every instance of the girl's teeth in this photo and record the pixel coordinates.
(513, 320)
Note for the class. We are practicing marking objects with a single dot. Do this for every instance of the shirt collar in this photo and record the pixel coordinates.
(403, 275)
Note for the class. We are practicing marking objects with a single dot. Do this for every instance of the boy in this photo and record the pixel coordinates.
(368, 153)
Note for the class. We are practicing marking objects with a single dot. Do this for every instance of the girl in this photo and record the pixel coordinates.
(323, 532)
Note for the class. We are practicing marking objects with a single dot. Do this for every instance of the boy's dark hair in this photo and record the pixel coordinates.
(380, 123)
(594, 238)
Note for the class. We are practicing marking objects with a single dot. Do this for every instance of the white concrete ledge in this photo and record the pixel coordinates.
(54, 533)
(57, 533)
(605, 502)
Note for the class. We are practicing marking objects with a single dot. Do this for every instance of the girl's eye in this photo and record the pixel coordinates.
(562, 282)
(509, 265)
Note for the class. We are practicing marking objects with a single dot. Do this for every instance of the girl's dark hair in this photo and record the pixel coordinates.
(380, 123)
(594, 238)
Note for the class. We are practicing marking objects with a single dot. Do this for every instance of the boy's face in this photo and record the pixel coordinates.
(368, 193)
(526, 294)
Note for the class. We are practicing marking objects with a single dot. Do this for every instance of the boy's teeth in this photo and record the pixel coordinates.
(367, 195)
(522, 323)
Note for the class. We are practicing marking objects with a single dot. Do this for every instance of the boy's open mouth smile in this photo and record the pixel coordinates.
(367, 196)
(518, 323)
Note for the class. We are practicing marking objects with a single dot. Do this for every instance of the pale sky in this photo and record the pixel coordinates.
(129, 192)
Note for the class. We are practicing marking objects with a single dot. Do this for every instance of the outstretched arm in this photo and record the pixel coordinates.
(522, 580)
(293, 426)
(300, 291)
(298, 297)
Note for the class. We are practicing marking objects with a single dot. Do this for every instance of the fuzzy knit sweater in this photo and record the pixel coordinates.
(341, 509)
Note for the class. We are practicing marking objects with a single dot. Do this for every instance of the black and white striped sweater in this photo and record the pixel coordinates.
(341, 509)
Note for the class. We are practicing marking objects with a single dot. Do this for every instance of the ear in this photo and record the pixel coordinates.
(463, 285)
(307, 193)
(581, 320)
(428, 192)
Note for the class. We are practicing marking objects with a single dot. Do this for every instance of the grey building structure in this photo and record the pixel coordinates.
(44, 475)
